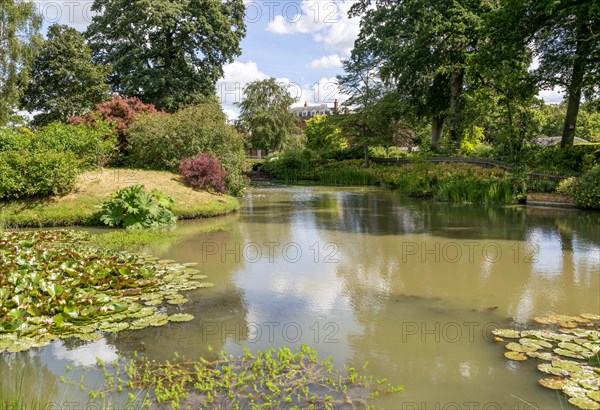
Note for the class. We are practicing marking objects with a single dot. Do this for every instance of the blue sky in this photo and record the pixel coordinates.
(300, 42)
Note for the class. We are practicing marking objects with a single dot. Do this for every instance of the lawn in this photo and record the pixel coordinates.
(92, 188)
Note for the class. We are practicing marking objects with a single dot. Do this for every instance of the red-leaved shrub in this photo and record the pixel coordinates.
(120, 112)
(204, 172)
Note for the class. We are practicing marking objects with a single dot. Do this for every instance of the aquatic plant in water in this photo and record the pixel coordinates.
(53, 284)
(568, 349)
(275, 378)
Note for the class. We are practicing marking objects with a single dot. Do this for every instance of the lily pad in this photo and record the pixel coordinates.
(507, 333)
(594, 395)
(536, 342)
(547, 356)
(549, 369)
(584, 403)
(568, 353)
(516, 347)
(517, 356)
(178, 301)
(572, 347)
(181, 317)
(553, 383)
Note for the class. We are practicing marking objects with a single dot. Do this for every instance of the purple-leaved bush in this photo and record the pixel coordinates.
(204, 172)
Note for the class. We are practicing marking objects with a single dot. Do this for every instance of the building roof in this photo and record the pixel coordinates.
(311, 108)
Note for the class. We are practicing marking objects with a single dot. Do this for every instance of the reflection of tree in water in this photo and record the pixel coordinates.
(26, 377)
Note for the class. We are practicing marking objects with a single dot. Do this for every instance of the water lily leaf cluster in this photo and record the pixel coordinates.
(567, 349)
(53, 284)
(275, 378)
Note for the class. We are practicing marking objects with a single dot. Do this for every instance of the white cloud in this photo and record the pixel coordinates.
(327, 21)
(554, 96)
(325, 91)
(230, 89)
(330, 61)
(237, 75)
(77, 14)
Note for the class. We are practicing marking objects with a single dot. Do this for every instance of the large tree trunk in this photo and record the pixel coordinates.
(568, 134)
(367, 159)
(456, 89)
(437, 126)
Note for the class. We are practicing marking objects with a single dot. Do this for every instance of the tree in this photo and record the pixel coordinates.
(121, 113)
(63, 80)
(166, 52)
(323, 135)
(424, 48)
(265, 114)
(377, 113)
(567, 41)
(18, 25)
(563, 35)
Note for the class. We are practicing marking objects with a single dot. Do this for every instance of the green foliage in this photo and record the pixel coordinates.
(290, 166)
(387, 152)
(95, 144)
(26, 174)
(323, 135)
(566, 186)
(160, 142)
(472, 140)
(134, 208)
(273, 379)
(569, 160)
(53, 284)
(452, 182)
(586, 189)
(265, 115)
(18, 25)
(13, 140)
(63, 80)
(166, 52)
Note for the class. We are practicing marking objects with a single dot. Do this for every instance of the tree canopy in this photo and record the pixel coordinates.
(166, 52)
(63, 81)
(18, 25)
(265, 115)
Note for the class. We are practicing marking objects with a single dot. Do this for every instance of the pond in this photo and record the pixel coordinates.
(413, 287)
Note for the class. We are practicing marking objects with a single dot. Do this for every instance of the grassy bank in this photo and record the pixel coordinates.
(442, 182)
(92, 188)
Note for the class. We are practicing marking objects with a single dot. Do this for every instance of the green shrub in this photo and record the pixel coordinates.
(94, 144)
(586, 189)
(160, 142)
(451, 182)
(134, 208)
(25, 174)
(291, 166)
(570, 160)
(566, 186)
(12, 140)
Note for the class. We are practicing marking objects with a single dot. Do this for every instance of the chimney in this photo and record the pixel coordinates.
(306, 103)
(336, 106)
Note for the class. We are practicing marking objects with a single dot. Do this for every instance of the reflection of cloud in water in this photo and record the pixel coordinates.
(586, 261)
(525, 307)
(548, 260)
(85, 355)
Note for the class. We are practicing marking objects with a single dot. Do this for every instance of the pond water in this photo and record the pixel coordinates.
(412, 287)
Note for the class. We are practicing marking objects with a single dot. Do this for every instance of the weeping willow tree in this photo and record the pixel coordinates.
(18, 24)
